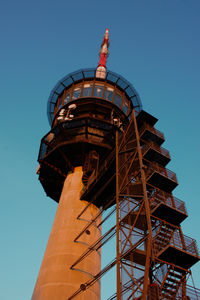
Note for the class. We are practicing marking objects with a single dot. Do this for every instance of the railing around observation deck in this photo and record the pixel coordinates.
(79, 129)
(192, 293)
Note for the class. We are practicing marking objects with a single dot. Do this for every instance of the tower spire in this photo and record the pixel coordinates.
(101, 69)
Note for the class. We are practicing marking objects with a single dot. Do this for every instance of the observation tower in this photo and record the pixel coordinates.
(103, 154)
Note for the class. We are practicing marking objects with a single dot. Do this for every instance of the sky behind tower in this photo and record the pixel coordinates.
(154, 44)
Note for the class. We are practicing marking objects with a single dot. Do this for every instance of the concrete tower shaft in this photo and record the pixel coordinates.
(56, 280)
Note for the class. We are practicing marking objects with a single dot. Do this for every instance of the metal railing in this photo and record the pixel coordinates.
(193, 293)
(154, 146)
(188, 293)
(163, 197)
(152, 167)
(79, 128)
(151, 129)
(184, 243)
(168, 235)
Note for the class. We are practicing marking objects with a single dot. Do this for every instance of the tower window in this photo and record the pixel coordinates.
(125, 106)
(118, 99)
(60, 101)
(67, 98)
(98, 91)
(109, 93)
(76, 93)
(87, 90)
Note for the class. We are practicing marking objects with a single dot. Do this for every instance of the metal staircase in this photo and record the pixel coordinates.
(154, 226)
(163, 237)
(153, 256)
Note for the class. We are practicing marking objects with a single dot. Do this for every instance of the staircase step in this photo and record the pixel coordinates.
(163, 234)
(166, 296)
(176, 275)
(169, 292)
(173, 280)
(160, 238)
(171, 286)
(161, 244)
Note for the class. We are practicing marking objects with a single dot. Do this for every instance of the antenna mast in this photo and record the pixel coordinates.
(101, 69)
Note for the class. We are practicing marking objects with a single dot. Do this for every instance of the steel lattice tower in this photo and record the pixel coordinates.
(103, 152)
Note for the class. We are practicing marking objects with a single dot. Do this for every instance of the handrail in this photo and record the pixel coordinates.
(169, 235)
(151, 166)
(189, 245)
(192, 292)
(77, 128)
(168, 199)
(152, 129)
(156, 147)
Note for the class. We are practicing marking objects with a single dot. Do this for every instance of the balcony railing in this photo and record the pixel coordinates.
(184, 243)
(192, 292)
(165, 234)
(163, 197)
(155, 147)
(151, 129)
(152, 167)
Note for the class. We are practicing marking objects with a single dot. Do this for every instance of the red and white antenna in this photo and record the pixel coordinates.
(101, 69)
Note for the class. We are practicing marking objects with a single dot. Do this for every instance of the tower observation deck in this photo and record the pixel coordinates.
(84, 112)
(103, 153)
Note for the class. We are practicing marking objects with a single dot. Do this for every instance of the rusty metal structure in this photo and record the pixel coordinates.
(97, 122)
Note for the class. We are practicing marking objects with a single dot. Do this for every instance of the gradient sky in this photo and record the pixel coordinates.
(153, 43)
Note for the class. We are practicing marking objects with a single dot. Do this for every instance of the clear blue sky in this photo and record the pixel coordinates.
(153, 43)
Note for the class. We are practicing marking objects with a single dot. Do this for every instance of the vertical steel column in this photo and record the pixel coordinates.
(147, 209)
(117, 220)
(184, 292)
